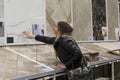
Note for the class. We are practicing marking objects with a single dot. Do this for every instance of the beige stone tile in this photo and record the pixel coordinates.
(8, 76)
(66, 6)
(82, 19)
(2, 58)
(1, 75)
(52, 7)
(112, 18)
(1, 2)
(11, 57)
(20, 66)
(60, 10)
(10, 66)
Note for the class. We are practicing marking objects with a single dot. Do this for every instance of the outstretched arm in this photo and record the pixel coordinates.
(45, 39)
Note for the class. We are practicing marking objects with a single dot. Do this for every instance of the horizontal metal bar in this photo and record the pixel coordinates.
(107, 61)
(40, 75)
(46, 74)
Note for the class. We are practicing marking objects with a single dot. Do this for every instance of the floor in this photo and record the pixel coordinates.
(22, 60)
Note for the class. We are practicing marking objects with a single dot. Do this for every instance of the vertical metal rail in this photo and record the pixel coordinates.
(72, 13)
(106, 3)
(54, 77)
(113, 71)
(118, 14)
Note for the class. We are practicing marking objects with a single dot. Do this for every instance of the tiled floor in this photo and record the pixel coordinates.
(14, 65)
(24, 60)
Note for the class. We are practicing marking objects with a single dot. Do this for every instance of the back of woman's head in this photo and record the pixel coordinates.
(64, 28)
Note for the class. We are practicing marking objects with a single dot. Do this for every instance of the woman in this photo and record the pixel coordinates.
(65, 46)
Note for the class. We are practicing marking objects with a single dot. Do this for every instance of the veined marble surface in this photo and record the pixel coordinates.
(23, 60)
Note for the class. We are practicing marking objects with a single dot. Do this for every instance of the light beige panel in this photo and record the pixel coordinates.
(112, 18)
(57, 10)
(1, 12)
(1, 8)
(1, 2)
(82, 19)
(49, 29)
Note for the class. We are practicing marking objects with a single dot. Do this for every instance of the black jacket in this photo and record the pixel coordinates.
(67, 50)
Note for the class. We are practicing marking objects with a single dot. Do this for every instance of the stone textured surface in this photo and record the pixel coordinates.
(82, 17)
(112, 18)
(82, 21)
(13, 65)
(57, 10)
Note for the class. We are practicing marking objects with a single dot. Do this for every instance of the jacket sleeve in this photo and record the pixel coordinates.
(45, 39)
(73, 50)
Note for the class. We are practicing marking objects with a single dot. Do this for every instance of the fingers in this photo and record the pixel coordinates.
(61, 65)
(29, 35)
(25, 32)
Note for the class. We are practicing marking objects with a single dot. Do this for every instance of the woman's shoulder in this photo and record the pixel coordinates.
(66, 39)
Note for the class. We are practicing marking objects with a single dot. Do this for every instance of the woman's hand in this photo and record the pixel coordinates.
(61, 65)
(29, 35)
